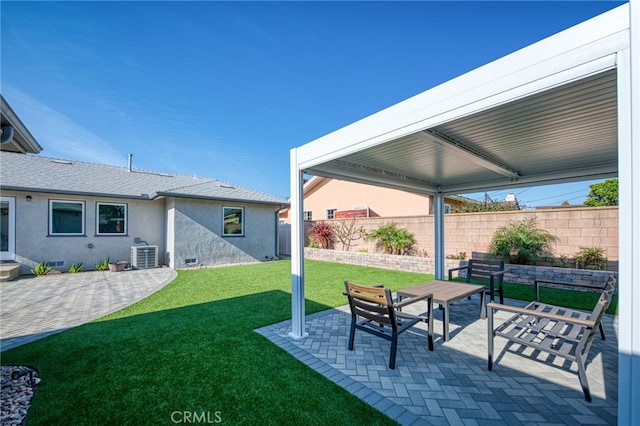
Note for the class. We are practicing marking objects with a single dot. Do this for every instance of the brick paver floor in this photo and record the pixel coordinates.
(451, 385)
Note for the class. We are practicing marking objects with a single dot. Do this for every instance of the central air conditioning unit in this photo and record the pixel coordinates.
(143, 257)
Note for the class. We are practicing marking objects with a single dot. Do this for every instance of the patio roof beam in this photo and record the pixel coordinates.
(564, 176)
(471, 154)
(344, 170)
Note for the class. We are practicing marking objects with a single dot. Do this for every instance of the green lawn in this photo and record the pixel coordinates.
(191, 347)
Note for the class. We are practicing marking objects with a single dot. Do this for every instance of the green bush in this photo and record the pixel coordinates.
(392, 239)
(42, 269)
(591, 258)
(76, 267)
(104, 265)
(522, 242)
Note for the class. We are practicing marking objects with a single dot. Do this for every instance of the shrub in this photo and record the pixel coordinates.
(104, 265)
(322, 235)
(392, 239)
(522, 242)
(42, 268)
(460, 256)
(591, 258)
(76, 267)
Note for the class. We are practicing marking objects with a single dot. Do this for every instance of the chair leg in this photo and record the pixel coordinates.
(602, 331)
(392, 354)
(583, 379)
(352, 333)
(490, 338)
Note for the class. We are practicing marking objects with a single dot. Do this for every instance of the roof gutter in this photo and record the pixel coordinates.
(201, 197)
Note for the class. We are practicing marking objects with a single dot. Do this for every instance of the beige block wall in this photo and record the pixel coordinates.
(472, 232)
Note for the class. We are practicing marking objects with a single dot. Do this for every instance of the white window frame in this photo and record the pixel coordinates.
(447, 208)
(307, 215)
(125, 231)
(83, 217)
(242, 220)
(331, 212)
(10, 253)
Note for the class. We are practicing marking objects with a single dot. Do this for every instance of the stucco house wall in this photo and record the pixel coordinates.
(322, 193)
(198, 238)
(34, 244)
(181, 215)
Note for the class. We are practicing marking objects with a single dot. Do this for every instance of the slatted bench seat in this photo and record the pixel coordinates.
(563, 332)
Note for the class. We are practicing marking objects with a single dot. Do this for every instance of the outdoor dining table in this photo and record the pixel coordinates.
(445, 293)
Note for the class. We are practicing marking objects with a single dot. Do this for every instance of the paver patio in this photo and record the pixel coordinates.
(451, 385)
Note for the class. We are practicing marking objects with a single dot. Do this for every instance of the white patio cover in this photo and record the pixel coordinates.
(563, 109)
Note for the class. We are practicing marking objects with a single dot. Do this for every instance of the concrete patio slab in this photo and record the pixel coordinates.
(35, 307)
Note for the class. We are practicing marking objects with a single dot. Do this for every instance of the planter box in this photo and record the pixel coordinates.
(117, 266)
(518, 274)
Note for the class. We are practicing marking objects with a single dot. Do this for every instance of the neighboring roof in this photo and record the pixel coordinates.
(544, 114)
(15, 137)
(51, 175)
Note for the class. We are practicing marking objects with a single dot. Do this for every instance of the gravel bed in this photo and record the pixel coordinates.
(18, 385)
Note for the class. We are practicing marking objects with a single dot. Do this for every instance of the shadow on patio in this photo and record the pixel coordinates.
(452, 385)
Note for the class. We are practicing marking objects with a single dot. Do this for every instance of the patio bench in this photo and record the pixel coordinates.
(559, 331)
(490, 271)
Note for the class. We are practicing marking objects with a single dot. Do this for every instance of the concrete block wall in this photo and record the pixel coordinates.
(520, 274)
(472, 232)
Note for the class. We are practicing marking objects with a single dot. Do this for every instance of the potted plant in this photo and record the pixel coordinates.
(117, 266)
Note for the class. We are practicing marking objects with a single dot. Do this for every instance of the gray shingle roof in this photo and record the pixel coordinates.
(43, 174)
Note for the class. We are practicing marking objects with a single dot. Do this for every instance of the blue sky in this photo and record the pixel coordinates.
(226, 89)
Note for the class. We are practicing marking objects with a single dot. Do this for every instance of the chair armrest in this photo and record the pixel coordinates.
(405, 302)
(456, 269)
(500, 307)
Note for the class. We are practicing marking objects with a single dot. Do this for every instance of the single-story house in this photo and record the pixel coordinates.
(64, 212)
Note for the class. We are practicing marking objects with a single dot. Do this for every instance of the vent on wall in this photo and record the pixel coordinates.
(144, 257)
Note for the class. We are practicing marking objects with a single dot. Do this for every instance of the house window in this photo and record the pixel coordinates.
(111, 219)
(447, 208)
(66, 217)
(307, 215)
(233, 221)
(331, 213)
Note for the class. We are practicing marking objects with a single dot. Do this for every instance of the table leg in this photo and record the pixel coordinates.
(445, 322)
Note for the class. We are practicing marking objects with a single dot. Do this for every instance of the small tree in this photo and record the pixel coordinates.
(603, 194)
(522, 242)
(488, 205)
(322, 235)
(347, 233)
(392, 239)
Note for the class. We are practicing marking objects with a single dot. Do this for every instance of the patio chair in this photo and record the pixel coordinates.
(490, 271)
(559, 331)
(373, 311)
